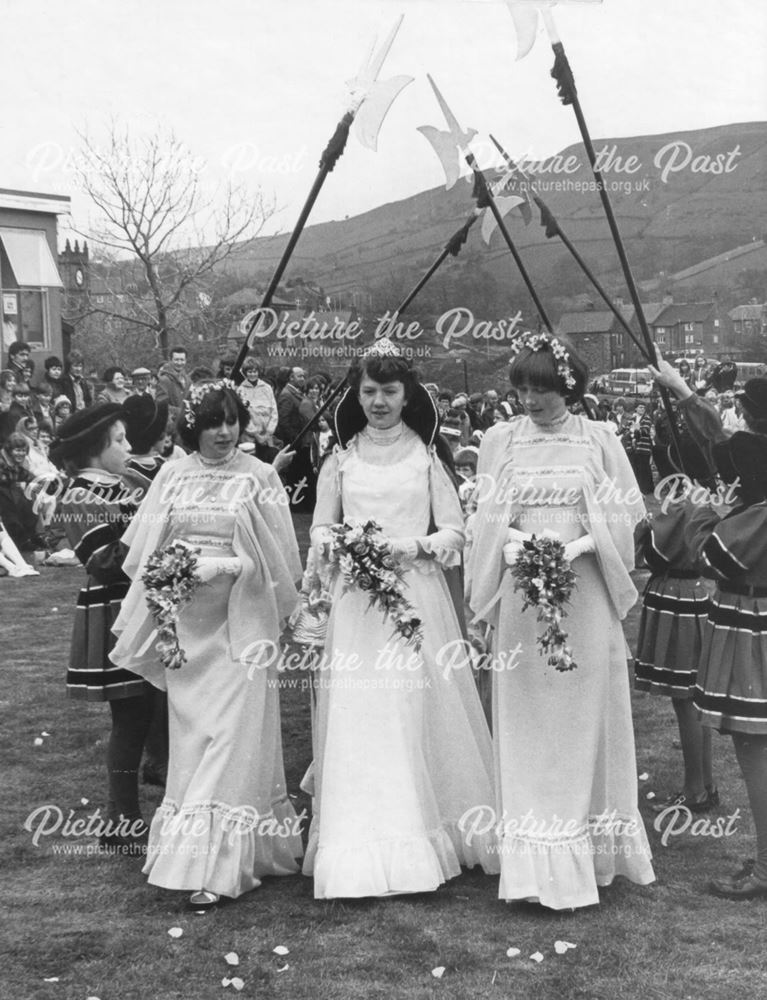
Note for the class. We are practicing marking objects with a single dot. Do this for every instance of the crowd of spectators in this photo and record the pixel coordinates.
(281, 403)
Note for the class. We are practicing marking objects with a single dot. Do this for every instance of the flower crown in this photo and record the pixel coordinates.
(541, 341)
(198, 392)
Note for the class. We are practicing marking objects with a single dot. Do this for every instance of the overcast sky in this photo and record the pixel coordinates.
(255, 87)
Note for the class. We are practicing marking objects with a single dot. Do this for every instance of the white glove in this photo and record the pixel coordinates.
(209, 567)
(579, 547)
(510, 552)
(405, 549)
(515, 535)
(322, 542)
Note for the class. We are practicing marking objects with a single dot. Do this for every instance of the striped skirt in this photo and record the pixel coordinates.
(674, 612)
(731, 691)
(91, 675)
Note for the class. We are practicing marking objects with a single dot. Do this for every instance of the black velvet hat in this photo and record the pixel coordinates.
(84, 428)
(145, 421)
(753, 398)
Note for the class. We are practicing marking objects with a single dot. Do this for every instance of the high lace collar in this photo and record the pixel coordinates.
(218, 461)
(384, 435)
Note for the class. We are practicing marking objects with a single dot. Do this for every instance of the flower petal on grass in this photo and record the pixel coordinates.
(281, 950)
(175, 932)
(284, 968)
(650, 795)
(536, 956)
(44, 733)
(439, 972)
(84, 802)
(512, 952)
(644, 776)
(38, 741)
(237, 983)
(232, 958)
(53, 979)
(560, 947)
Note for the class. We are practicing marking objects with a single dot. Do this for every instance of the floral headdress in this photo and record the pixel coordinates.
(542, 341)
(198, 392)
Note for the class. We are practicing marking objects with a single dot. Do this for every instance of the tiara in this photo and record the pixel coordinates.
(542, 341)
(382, 348)
(198, 392)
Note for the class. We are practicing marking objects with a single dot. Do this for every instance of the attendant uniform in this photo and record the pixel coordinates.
(731, 688)
(674, 609)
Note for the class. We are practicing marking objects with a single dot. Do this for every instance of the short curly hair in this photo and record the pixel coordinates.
(217, 406)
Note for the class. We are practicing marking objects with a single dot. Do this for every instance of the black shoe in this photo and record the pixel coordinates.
(709, 801)
(132, 847)
(743, 885)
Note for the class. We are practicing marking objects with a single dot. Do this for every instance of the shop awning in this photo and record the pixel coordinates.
(30, 257)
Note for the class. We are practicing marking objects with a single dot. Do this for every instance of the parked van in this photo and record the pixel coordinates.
(629, 382)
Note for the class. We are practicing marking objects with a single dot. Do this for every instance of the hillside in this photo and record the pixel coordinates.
(689, 196)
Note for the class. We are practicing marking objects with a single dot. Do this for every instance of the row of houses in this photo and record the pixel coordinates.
(678, 328)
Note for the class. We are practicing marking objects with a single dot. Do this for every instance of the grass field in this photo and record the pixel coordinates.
(92, 923)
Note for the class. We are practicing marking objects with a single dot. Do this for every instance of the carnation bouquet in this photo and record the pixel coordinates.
(362, 555)
(543, 574)
(170, 578)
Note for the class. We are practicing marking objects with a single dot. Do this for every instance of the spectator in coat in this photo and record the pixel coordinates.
(77, 388)
(173, 381)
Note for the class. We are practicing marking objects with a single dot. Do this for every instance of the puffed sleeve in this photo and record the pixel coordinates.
(445, 544)
(98, 547)
(733, 546)
(328, 508)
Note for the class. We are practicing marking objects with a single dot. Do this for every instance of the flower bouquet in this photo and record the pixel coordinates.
(170, 578)
(543, 574)
(362, 554)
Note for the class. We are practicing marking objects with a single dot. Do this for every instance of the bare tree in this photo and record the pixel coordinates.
(161, 235)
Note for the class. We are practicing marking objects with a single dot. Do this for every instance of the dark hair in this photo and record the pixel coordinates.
(216, 407)
(110, 373)
(178, 350)
(45, 427)
(17, 346)
(382, 369)
(74, 358)
(201, 374)
(539, 369)
(16, 440)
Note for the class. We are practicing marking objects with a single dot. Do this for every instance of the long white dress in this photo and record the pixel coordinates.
(403, 758)
(564, 746)
(226, 819)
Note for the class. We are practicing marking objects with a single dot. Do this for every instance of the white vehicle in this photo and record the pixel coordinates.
(629, 382)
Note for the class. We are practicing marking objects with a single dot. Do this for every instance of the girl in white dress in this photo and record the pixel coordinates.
(403, 756)
(564, 746)
(226, 820)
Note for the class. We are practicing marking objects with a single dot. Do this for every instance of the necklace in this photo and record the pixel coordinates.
(556, 422)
